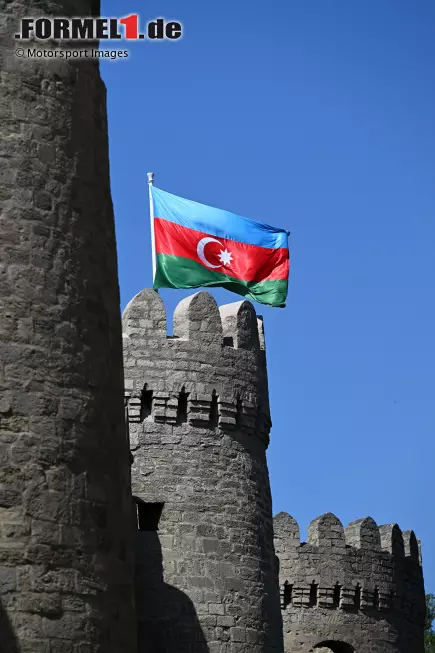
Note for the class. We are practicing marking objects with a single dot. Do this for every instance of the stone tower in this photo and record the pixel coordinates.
(66, 581)
(353, 590)
(206, 572)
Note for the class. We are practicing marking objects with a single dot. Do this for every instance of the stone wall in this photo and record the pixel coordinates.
(199, 426)
(355, 589)
(65, 499)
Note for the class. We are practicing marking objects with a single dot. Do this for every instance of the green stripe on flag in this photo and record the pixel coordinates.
(180, 272)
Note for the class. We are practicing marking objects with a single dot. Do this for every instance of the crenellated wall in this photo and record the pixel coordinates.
(199, 427)
(354, 589)
(213, 350)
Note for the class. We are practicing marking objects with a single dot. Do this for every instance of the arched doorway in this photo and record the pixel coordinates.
(334, 647)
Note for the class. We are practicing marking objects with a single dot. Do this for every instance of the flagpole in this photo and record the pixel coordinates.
(150, 176)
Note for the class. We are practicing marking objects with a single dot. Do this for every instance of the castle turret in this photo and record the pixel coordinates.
(199, 425)
(358, 589)
(66, 569)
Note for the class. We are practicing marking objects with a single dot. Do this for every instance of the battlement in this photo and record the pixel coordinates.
(210, 373)
(327, 532)
(363, 567)
(197, 319)
(350, 584)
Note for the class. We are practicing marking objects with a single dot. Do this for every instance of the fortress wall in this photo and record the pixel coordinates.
(362, 586)
(66, 568)
(199, 445)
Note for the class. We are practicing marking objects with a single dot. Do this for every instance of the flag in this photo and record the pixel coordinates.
(197, 245)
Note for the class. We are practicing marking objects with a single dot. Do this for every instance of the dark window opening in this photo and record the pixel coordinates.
(214, 410)
(336, 647)
(357, 598)
(148, 515)
(337, 595)
(239, 410)
(376, 599)
(182, 407)
(146, 403)
(288, 594)
(228, 341)
(313, 594)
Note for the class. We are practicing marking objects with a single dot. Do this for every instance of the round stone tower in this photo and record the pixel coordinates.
(206, 572)
(353, 590)
(66, 569)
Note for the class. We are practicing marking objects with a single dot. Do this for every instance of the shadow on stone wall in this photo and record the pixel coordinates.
(408, 617)
(168, 622)
(8, 639)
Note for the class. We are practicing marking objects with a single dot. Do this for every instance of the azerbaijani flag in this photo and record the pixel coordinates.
(197, 245)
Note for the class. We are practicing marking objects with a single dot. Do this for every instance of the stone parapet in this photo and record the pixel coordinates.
(361, 585)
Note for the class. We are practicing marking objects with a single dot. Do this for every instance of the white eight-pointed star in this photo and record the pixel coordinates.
(225, 257)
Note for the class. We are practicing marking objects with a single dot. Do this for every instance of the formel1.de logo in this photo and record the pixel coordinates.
(92, 29)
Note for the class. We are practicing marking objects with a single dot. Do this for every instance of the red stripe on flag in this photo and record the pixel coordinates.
(247, 262)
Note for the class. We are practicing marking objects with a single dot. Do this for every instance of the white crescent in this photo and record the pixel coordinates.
(200, 251)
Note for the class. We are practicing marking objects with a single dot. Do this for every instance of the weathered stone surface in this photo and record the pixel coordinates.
(65, 503)
(206, 574)
(354, 590)
(199, 423)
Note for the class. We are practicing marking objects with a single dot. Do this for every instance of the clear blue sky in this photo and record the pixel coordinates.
(318, 117)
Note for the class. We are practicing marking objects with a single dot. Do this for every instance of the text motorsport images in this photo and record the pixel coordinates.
(97, 29)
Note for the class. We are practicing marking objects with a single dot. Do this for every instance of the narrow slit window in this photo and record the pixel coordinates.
(357, 598)
(376, 599)
(146, 404)
(148, 515)
(288, 594)
(337, 595)
(314, 590)
(182, 407)
(214, 410)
